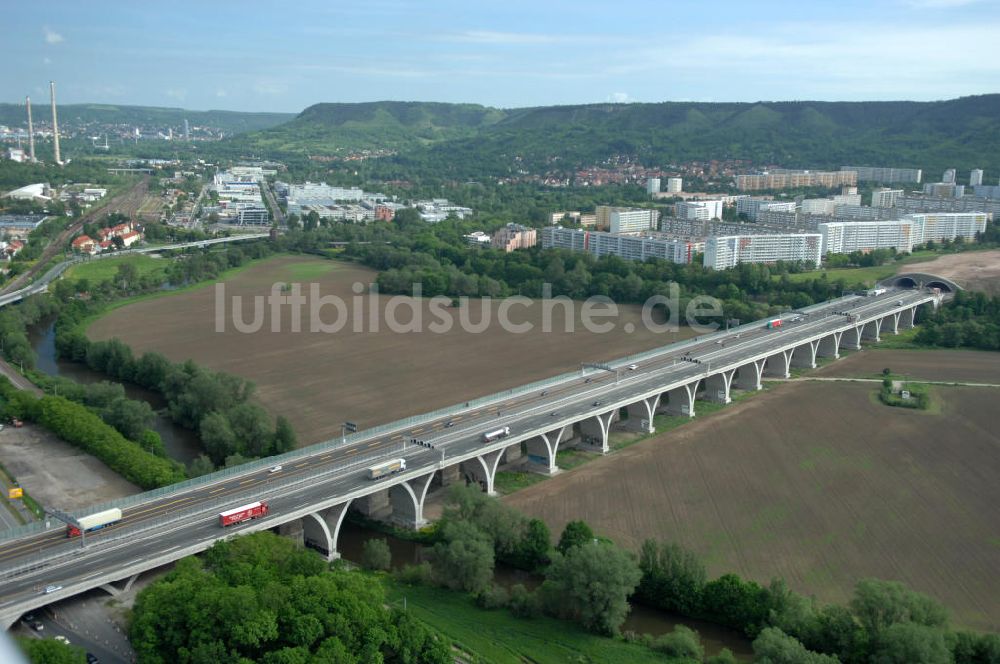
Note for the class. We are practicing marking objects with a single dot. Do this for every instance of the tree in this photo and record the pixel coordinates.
(907, 642)
(724, 656)
(252, 428)
(130, 417)
(284, 436)
(217, 436)
(772, 646)
(731, 601)
(50, 651)
(533, 549)
(375, 555)
(200, 465)
(880, 604)
(592, 582)
(682, 642)
(574, 534)
(126, 275)
(672, 577)
(463, 559)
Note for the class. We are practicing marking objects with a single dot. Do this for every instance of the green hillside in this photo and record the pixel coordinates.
(374, 125)
(234, 122)
(464, 140)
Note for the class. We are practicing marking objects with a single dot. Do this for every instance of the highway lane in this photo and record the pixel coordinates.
(469, 425)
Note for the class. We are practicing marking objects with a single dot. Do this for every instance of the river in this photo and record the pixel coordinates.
(641, 620)
(180, 444)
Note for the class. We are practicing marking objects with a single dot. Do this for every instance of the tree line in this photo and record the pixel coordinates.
(970, 320)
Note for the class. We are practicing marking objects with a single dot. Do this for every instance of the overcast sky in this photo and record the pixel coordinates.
(253, 56)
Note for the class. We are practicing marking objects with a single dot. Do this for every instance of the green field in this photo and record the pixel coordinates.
(498, 637)
(103, 269)
(868, 275)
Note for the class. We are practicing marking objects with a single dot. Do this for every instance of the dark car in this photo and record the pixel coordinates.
(37, 626)
(92, 658)
(448, 424)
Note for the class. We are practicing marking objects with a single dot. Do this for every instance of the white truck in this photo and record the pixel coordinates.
(387, 468)
(93, 522)
(496, 434)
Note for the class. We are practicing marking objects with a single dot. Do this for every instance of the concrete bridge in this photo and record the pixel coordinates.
(311, 495)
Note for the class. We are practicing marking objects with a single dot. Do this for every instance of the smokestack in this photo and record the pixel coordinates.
(31, 131)
(55, 122)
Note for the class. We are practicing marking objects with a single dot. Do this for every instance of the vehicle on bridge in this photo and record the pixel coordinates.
(94, 522)
(773, 323)
(243, 513)
(386, 469)
(496, 434)
(874, 292)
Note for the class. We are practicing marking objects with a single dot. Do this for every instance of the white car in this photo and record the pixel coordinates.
(275, 469)
(61, 639)
(51, 589)
(633, 367)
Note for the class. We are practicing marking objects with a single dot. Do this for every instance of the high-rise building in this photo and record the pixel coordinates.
(845, 237)
(885, 197)
(515, 236)
(627, 220)
(726, 251)
(751, 207)
(675, 185)
(653, 186)
(976, 177)
(187, 130)
(629, 247)
(886, 175)
(701, 210)
(949, 176)
(948, 225)
(788, 179)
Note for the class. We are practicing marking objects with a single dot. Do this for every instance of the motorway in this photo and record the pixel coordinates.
(316, 475)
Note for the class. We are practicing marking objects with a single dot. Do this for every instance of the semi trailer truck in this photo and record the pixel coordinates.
(248, 512)
(93, 522)
(387, 468)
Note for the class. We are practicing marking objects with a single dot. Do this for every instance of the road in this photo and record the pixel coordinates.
(265, 189)
(320, 474)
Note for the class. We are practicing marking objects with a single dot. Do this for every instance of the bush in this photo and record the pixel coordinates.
(375, 555)
(725, 656)
(523, 603)
(415, 575)
(682, 642)
(496, 597)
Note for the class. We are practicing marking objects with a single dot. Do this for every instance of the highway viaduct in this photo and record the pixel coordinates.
(317, 485)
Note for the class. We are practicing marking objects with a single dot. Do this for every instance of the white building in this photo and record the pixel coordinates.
(726, 251)
(675, 185)
(845, 237)
(700, 210)
(824, 206)
(629, 247)
(885, 174)
(885, 197)
(653, 186)
(976, 177)
(632, 220)
(752, 206)
(948, 225)
(478, 239)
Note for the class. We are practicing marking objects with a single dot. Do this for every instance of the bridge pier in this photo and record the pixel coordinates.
(748, 376)
(114, 591)
(829, 346)
(542, 451)
(680, 400)
(890, 323)
(483, 469)
(594, 431)
(804, 355)
(778, 365)
(870, 330)
(511, 454)
(851, 339)
(908, 318)
(321, 530)
(642, 412)
(717, 387)
(293, 530)
(374, 504)
(407, 500)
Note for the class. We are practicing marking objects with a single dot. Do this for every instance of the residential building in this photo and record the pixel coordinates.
(944, 189)
(949, 176)
(515, 236)
(653, 186)
(632, 220)
(675, 185)
(920, 203)
(846, 237)
(886, 175)
(588, 220)
(478, 239)
(752, 207)
(788, 179)
(817, 206)
(563, 215)
(629, 247)
(976, 177)
(699, 210)
(948, 225)
(885, 197)
(726, 251)
(987, 191)
(84, 244)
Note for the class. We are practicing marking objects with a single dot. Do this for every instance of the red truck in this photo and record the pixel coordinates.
(243, 513)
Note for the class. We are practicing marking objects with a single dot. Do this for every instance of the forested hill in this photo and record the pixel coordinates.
(466, 139)
(391, 125)
(231, 122)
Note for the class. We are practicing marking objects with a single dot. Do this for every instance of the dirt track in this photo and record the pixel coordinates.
(320, 380)
(958, 365)
(975, 270)
(816, 483)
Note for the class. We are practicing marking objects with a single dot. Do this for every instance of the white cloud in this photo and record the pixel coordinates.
(51, 36)
(176, 93)
(619, 98)
(221, 93)
(46, 61)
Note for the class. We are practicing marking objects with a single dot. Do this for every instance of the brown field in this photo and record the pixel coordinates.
(816, 483)
(971, 366)
(975, 270)
(320, 380)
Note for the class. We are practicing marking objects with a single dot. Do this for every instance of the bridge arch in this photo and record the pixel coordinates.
(921, 280)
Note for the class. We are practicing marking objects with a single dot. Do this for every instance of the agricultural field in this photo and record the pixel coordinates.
(319, 380)
(970, 366)
(817, 483)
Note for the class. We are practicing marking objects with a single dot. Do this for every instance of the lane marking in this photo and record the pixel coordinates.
(247, 481)
(221, 488)
(327, 456)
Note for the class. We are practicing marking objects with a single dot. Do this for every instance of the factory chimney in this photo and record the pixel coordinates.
(31, 132)
(55, 122)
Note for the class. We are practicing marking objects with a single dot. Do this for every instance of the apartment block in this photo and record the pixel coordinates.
(631, 220)
(885, 174)
(846, 237)
(629, 247)
(788, 179)
(703, 210)
(515, 236)
(948, 225)
(886, 197)
(724, 252)
(675, 185)
(975, 177)
(752, 207)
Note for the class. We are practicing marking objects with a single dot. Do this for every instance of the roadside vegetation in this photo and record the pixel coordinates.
(969, 320)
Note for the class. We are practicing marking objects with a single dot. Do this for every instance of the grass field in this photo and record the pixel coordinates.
(106, 268)
(318, 380)
(868, 275)
(816, 483)
(499, 638)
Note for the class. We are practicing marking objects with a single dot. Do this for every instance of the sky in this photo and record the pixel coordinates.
(259, 56)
